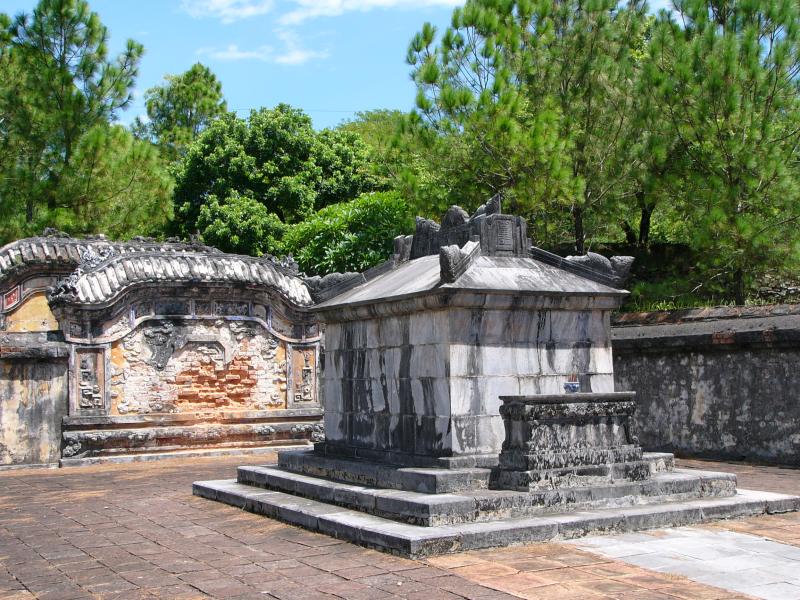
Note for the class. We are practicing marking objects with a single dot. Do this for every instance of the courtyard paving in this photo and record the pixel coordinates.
(135, 531)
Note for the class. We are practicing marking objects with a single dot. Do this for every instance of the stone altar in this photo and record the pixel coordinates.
(450, 419)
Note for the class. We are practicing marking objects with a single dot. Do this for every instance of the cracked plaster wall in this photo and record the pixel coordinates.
(33, 399)
(221, 365)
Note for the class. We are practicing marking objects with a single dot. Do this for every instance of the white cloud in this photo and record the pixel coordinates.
(227, 11)
(292, 52)
(232, 52)
(310, 9)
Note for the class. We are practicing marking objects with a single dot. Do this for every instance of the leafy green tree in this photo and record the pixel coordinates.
(274, 157)
(180, 109)
(413, 160)
(349, 236)
(540, 94)
(726, 75)
(240, 224)
(378, 129)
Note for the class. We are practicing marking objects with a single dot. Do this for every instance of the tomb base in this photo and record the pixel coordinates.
(419, 511)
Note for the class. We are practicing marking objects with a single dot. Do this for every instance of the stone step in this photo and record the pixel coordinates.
(429, 480)
(417, 479)
(416, 541)
(487, 505)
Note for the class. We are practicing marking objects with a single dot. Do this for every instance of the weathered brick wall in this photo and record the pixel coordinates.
(223, 365)
(110, 350)
(719, 383)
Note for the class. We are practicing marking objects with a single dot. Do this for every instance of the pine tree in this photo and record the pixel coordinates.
(726, 74)
(540, 91)
(180, 109)
(65, 86)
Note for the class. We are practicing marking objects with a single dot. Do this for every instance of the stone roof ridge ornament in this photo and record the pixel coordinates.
(331, 285)
(498, 234)
(66, 290)
(613, 271)
(52, 232)
(94, 256)
(454, 261)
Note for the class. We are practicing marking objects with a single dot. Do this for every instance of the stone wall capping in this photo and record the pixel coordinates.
(99, 285)
(709, 313)
(709, 334)
(59, 251)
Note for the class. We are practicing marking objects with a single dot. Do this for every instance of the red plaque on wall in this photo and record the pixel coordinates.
(11, 298)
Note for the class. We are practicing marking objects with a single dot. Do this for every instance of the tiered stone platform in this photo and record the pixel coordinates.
(445, 425)
(424, 511)
(569, 466)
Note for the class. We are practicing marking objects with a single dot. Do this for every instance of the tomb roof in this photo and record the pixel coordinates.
(485, 274)
(487, 253)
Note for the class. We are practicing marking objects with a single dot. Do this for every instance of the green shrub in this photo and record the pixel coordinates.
(349, 236)
(240, 224)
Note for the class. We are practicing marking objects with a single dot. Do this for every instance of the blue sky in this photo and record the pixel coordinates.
(331, 58)
(328, 57)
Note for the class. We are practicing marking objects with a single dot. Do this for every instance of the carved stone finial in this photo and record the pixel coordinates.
(454, 217)
(402, 248)
(333, 284)
(616, 269)
(52, 232)
(493, 206)
(453, 261)
(96, 255)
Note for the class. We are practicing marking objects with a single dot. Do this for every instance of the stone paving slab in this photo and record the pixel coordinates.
(135, 531)
(736, 561)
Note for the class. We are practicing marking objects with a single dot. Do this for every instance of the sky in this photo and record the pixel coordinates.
(332, 58)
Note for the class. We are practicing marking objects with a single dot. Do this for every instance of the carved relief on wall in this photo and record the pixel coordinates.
(205, 365)
(304, 374)
(89, 381)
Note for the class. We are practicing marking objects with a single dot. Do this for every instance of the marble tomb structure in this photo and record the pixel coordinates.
(469, 402)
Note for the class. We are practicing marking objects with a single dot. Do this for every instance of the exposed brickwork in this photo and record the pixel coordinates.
(207, 384)
(218, 366)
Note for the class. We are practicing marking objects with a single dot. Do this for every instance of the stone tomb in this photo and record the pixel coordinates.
(447, 422)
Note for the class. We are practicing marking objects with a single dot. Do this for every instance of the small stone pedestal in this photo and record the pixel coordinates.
(568, 440)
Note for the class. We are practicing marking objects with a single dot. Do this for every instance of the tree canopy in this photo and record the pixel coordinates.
(180, 109)
(274, 157)
(671, 135)
(62, 160)
(725, 75)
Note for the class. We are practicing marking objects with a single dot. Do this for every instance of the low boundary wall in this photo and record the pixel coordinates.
(716, 382)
